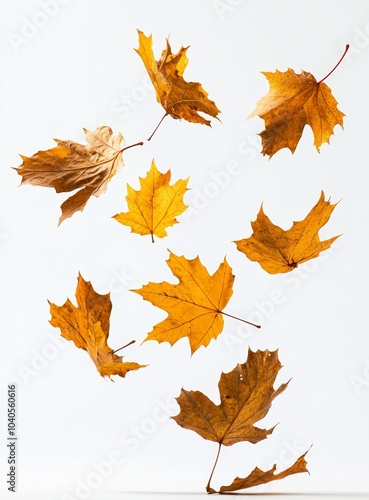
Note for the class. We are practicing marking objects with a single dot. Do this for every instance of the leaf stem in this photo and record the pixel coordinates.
(120, 348)
(240, 319)
(133, 146)
(339, 62)
(157, 126)
(208, 487)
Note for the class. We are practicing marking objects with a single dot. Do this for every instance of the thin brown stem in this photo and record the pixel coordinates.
(133, 146)
(240, 319)
(157, 126)
(209, 489)
(339, 62)
(120, 348)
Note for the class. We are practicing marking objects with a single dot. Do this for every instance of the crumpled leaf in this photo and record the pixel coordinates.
(259, 476)
(155, 206)
(280, 251)
(293, 101)
(179, 98)
(194, 305)
(246, 395)
(87, 325)
(70, 166)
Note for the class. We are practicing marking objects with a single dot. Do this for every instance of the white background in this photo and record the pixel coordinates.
(77, 68)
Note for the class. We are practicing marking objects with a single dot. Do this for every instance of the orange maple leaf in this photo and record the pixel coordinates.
(179, 98)
(280, 251)
(70, 166)
(87, 325)
(155, 206)
(246, 395)
(194, 305)
(295, 100)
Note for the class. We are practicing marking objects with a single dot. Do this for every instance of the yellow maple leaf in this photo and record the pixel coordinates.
(293, 101)
(155, 206)
(179, 98)
(70, 166)
(280, 251)
(194, 305)
(87, 325)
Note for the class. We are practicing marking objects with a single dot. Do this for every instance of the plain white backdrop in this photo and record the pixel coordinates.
(71, 64)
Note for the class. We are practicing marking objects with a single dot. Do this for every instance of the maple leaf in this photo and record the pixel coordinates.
(87, 325)
(259, 476)
(194, 305)
(70, 166)
(179, 98)
(280, 251)
(246, 395)
(155, 206)
(295, 100)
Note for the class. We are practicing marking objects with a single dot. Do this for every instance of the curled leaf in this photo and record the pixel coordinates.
(87, 325)
(70, 166)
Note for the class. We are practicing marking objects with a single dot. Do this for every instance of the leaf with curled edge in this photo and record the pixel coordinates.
(87, 325)
(179, 98)
(70, 166)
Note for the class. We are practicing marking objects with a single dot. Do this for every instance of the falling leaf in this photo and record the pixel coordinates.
(259, 476)
(280, 251)
(70, 166)
(155, 206)
(246, 395)
(295, 100)
(179, 98)
(194, 305)
(87, 325)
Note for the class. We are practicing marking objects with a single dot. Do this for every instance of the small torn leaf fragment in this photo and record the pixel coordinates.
(293, 101)
(179, 98)
(259, 476)
(280, 251)
(155, 206)
(70, 166)
(87, 325)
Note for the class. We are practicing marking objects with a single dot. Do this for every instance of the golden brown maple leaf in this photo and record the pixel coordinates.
(179, 98)
(259, 476)
(246, 395)
(280, 251)
(70, 166)
(87, 325)
(295, 100)
(194, 305)
(155, 206)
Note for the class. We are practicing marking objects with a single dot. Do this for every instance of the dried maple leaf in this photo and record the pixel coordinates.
(246, 395)
(194, 305)
(87, 325)
(280, 251)
(70, 166)
(155, 206)
(295, 100)
(179, 98)
(259, 476)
